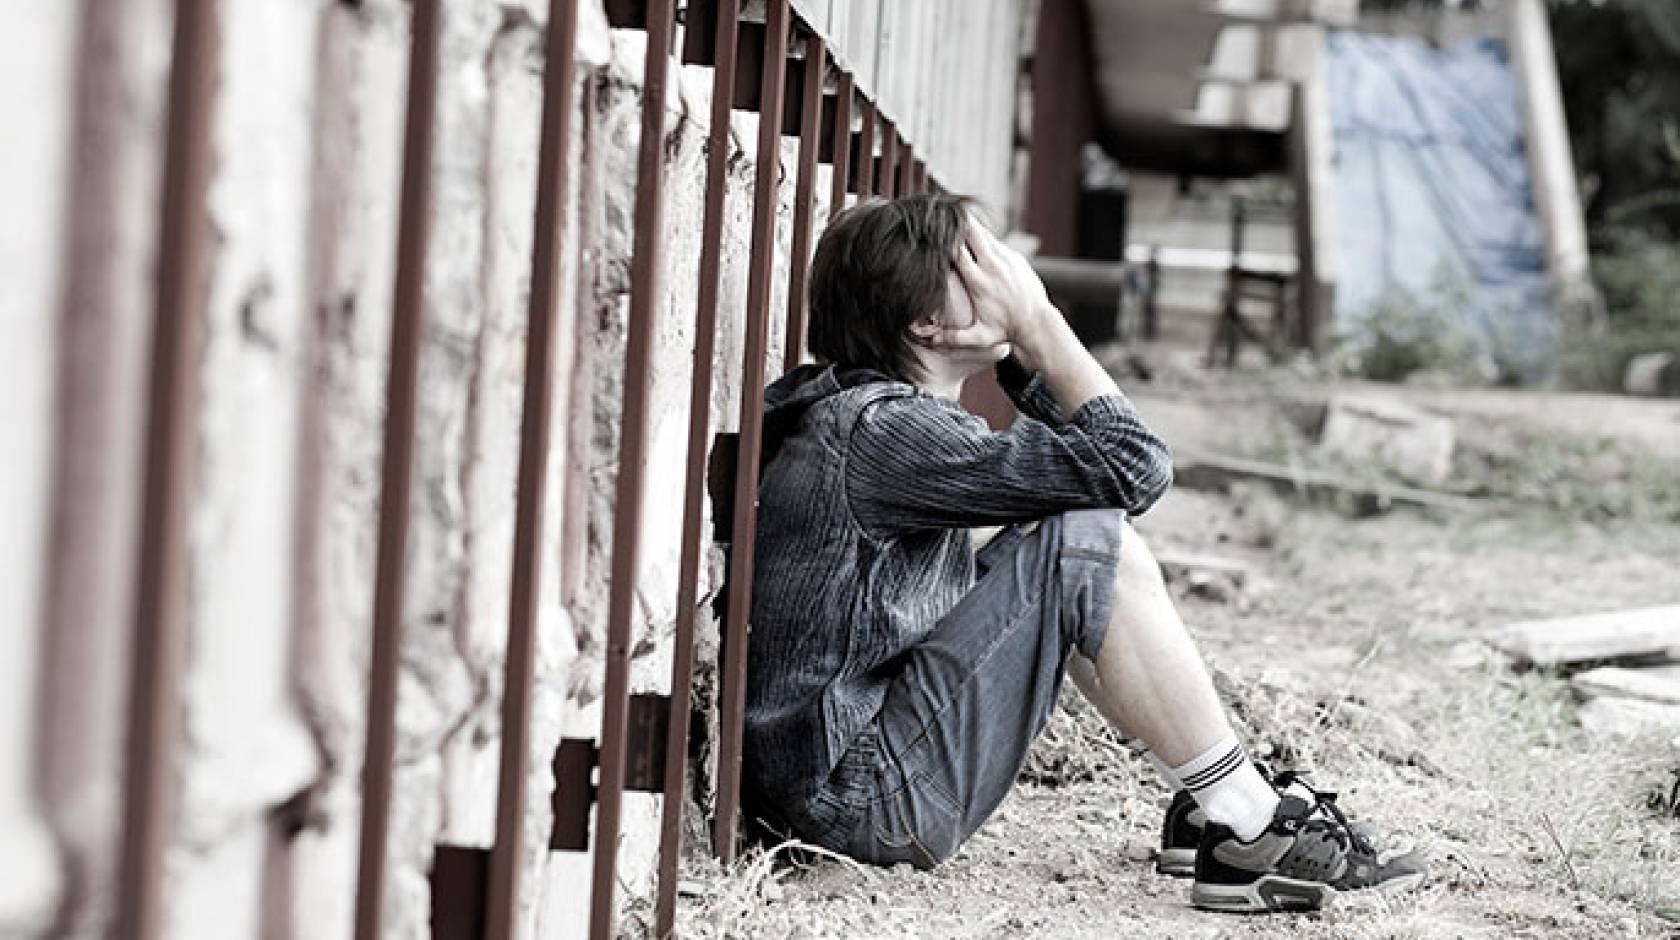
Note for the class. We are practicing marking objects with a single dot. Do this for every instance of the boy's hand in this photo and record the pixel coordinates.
(1009, 300)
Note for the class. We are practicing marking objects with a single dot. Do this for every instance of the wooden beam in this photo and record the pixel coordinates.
(1648, 632)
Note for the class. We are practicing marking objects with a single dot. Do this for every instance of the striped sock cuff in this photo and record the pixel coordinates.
(1211, 766)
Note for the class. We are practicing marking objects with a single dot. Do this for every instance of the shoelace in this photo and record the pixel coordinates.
(1341, 830)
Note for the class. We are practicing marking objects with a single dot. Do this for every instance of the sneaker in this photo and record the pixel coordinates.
(1181, 833)
(1291, 866)
(1308, 853)
(1374, 864)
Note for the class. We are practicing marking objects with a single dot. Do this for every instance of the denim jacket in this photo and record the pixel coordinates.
(865, 499)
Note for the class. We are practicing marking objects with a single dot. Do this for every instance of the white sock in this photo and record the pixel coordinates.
(1229, 789)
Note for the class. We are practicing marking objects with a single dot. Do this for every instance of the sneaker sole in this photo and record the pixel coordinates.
(1178, 863)
(1265, 894)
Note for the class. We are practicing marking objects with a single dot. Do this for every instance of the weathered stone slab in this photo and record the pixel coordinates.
(1409, 442)
(1651, 684)
(1623, 634)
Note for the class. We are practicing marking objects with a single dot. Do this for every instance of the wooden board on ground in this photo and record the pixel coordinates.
(1184, 565)
(1650, 684)
(1207, 472)
(1626, 716)
(1645, 633)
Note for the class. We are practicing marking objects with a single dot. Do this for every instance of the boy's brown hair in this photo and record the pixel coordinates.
(880, 266)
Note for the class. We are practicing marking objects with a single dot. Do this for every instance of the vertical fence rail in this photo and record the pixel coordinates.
(906, 165)
(887, 176)
(841, 144)
(397, 462)
(864, 160)
(694, 485)
(645, 290)
(536, 415)
(760, 269)
(810, 115)
(160, 604)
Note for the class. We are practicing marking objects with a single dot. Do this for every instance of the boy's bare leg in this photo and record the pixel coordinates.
(1148, 679)
(1150, 682)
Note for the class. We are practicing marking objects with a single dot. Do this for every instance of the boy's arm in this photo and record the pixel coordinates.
(921, 462)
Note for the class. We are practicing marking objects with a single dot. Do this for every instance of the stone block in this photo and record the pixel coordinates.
(1397, 438)
(1655, 374)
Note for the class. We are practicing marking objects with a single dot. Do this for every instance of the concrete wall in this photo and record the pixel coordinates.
(307, 137)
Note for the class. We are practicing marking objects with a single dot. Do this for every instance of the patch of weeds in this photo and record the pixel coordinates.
(1440, 330)
(1639, 279)
(1584, 476)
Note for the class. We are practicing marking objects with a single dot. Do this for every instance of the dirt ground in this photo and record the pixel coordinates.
(1355, 650)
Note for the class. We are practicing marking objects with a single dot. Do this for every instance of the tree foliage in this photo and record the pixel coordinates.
(1619, 65)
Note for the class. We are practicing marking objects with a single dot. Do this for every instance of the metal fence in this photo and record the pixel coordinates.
(783, 69)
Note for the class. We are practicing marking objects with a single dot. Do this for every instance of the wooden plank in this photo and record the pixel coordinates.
(1208, 472)
(1624, 634)
(1190, 566)
(1650, 684)
(1624, 717)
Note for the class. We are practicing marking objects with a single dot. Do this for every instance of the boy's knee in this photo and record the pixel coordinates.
(1137, 566)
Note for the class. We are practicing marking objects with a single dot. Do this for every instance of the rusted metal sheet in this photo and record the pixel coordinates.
(172, 439)
(734, 653)
(397, 463)
(632, 459)
(533, 464)
(799, 263)
(694, 484)
(840, 144)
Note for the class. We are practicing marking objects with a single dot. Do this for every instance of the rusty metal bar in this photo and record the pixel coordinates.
(397, 462)
(172, 439)
(863, 161)
(536, 417)
(799, 263)
(841, 143)
(632, 459)
(918, 176)
(694, 491)
(887, 171)
(906, 166)
(733, 674)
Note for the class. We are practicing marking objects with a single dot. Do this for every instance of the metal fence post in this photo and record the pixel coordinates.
(537, 410)
(645, 289)
(171, 445)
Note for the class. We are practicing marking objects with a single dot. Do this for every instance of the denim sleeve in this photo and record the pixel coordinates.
(918, 462)
(1029, 393)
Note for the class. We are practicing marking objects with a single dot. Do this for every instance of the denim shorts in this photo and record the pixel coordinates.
(961, 714)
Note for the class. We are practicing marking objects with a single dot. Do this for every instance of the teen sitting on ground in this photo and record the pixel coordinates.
(922, 582)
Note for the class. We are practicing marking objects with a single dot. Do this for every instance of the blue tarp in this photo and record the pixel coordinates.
(1434, 199)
